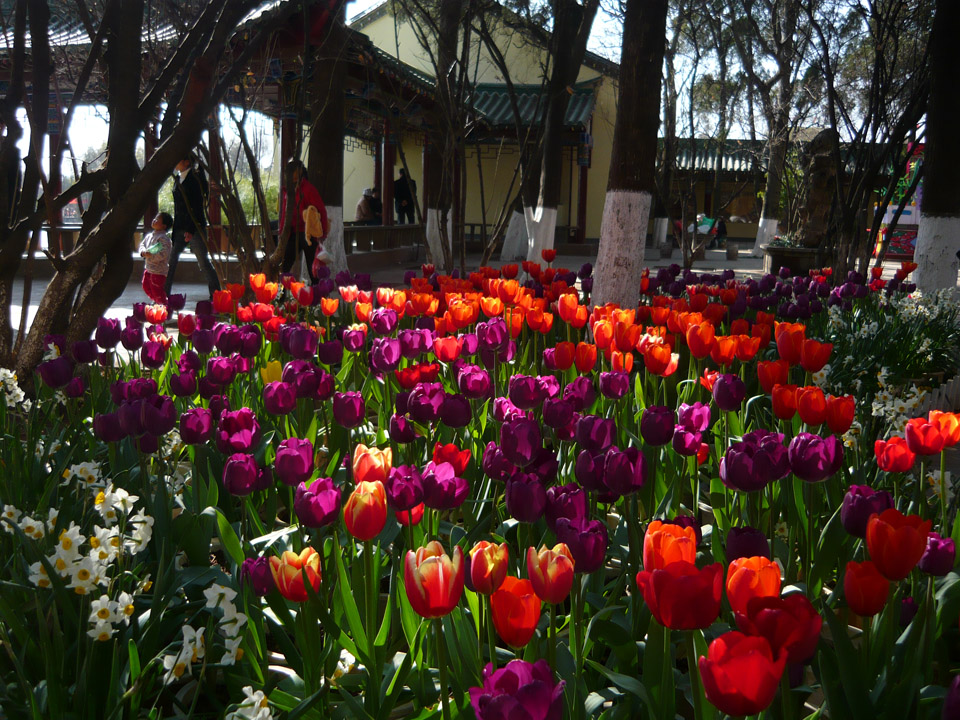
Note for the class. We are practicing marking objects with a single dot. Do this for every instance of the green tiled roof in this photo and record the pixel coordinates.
(492, 103)
(700, 155)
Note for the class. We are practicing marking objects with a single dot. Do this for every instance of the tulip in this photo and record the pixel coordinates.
(666, 543)
(495, 464)
(784, 399)
(257, 572)
(813, 458)
(657, 424)
(425, 401)
(57, 372)
(525, 497)
(948, 423)
(516, 611)
(290, 570)
(939, 556)
(84, 351)
(330, 353)
(840, 413)
(790, 340)
(924, 437)
(744, 542)
(814, 355)
(859, 504)
(455, 411)
(75, 388)
(317, 505)
(694, 418)
(749, 578)
(203, 340)
(240, 474)
(896, 542)
(595, 434)
(474, 382)
(108, 332)
(250, 341)
(488, 566)
(680, 596)
(298, 341)
(279, 398)
(812, 405)
(772, 373)
(521, 690)
(432, 580)
(686, 443)
(580, 393)
(740, 673)
(524, 392)
(951, 703)
(791, 624)
(238, 431)
(865, 588)
(729, 392)
(587, 541)
(132, 337)
(568, 501)
(520, 440)
(371, 464)
(410, 517)
(365, 512)
(196, 426)
(106, 426)
(614, 385)
(442, 488)
(294, 461)
(348, 409)
(404, 487)
(624, 472)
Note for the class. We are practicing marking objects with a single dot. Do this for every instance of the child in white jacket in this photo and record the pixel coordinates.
(155, 250)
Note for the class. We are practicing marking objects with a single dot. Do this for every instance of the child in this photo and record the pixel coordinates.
(155, 250)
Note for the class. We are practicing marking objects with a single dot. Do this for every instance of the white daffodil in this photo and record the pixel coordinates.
(255, 706)
(217, 594)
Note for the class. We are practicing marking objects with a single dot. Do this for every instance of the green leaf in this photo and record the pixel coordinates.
(228, 537)
(134, 660)
(627, 684)
(349, 603)
(850, 664)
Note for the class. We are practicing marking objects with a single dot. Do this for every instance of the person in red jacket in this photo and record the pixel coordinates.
(305, 196)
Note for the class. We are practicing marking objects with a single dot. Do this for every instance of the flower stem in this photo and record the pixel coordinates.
(694, 674)
(442, 663)
(785, 699)
(552, 644)
(491, 632)
(371, 598)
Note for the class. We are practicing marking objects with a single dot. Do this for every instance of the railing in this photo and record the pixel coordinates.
(364, 238)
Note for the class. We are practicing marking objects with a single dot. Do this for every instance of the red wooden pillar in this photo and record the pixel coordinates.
(149, 147)
(54, 236)
(582, 205)
(216, 176)
(378, 167)
(387, 177)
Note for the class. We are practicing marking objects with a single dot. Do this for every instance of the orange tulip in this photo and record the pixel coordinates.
(700, 339)
(349, 293)
(763, 333)
(724, 350)
(812, 405)
(621, 361)
(488, 566)
(257, 281)
(924, 437)
(365, 512)
(666, 543)
(567, 305)
(814, 355)
(896, 542)
(740, 326)
(784, 401)
(289, 570)
(491, 306)
(747, 347)
(603, 334)
(751, 577)
(585, 357)
(371, 464)
(949, 425)
(236, 290)
(516, 611)
(551, 572)
(433, 580)
(329, 306)
(660, 361)
(223, 302)
(447, 349)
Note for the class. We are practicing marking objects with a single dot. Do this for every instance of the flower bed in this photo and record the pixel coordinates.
(476, 496)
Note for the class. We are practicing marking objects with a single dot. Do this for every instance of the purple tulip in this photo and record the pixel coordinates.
(580, 393)
(587, 540)
(908, 611)
(189, 361)
(549, 386)
(354, 340)
(860, 502)
(625, 471)
(153, 354)
(525, 392)
(108, 332)
(158, 415)
(753, 463)
(492, 335)
(221, 370)
(728, 392)
(424, 401)
(107, 427)
(319, 504)
(694, 418)
(228, 338)
(57, 372)
(401, 429)
(303, 375)
(218, 405)
(240, 474)
(656, 425)
(614, 385)
(545, 466)
(183, 384)
(279, 398)
(588, 470)
(298, 341)
(413, 343)
(489, 358)
(203, 340)
(147, 444)
(951, 703)
(250, 341)
(813, 458)
(196, 426)
(385, 354)
(474, 382)
(686, 443)
(455, 412)
(383, 321)
(565, 501)
(557, 412)
(518, 690)
(746, 542)
(595, 433)
(495, 464)
(404, 487)
(84, 351)
(294, 461)
(505, 411)
(330, 353)
(132, 337)
(348, 408)
(938, 559)
(526, 497)
(140, 388)
(326, 386)
(238, 431)
(520, 440)
(256, 572)
(442, 489)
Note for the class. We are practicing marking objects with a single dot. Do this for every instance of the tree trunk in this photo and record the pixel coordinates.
(776, 158)
(325, 154)
(938, 238)
(632, 182)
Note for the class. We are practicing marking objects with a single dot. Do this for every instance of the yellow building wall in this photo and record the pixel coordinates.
(498, 165)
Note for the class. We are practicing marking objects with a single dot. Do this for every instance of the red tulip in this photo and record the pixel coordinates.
(949, 425)
(447, 349)
(365, 512)
(223, 302)
(516, 611)
(585, 357)
(680, 596)
(865, 588)
(893, 455)
(701, 339)
(790, 337)
(924, 437)
(784, 401)
(840, 413)
(771, 373)
(814, 355)
(751, 577)
(896, 542)
(551, 572)
(488, 566)
(289, 570)
(410, 517)
(740, 674)
(433, 582)
(371, 464)
(452, 454)
(186, 324)
(667, 543)
(790, 623)
(549, 254)
(811, 405)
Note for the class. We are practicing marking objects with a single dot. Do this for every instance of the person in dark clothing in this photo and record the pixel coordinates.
(376, 205)
(719, 239)
(190, 221)
(404, 190)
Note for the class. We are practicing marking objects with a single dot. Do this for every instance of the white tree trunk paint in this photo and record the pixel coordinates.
(938, 240)
(765, 233)
(541, 229)
(660, 227)
(433, 236)
(334, 241)
(514, 240)
(623, 235)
